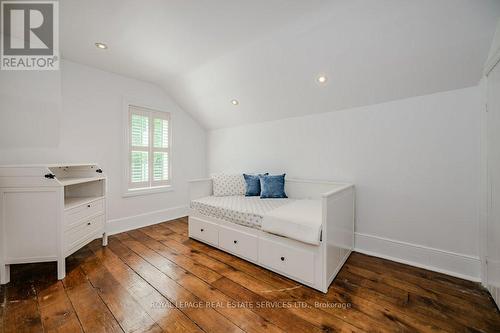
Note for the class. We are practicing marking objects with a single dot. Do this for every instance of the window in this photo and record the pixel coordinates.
(149, 148)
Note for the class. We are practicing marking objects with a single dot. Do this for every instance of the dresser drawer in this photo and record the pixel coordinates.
(297, 263)
(74, 215)
(239, 243)
(204, 231)
(82, 231)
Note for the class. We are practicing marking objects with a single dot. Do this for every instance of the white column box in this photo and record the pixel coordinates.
(47, 212)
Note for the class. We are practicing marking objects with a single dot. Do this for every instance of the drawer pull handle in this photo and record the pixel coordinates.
(88, 206)
(235, 242)
(88, 223)
(202, 230)
(282, 258)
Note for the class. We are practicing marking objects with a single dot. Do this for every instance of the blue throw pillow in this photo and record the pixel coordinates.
(272, 186)
(253, 184)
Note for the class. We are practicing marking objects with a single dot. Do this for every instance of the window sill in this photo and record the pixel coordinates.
(148, 190)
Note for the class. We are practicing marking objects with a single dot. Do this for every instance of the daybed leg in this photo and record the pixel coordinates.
(104, 239)
(61, 268)
(4, 274)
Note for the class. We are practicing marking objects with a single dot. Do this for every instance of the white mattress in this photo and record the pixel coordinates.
(299, 220)
(247, 211)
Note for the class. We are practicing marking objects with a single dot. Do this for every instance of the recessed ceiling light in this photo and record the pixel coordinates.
(322, 79)
(235, 102)
(101, 46)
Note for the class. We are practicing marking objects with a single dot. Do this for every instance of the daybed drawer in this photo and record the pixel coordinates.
(294, 262)
(205, 231)
(239, 243)
(82, 231)
(74, 215)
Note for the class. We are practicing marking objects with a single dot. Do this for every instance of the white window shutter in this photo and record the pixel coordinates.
(149, 148)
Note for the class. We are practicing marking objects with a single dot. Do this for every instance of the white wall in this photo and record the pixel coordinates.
(415, 164)
(495, 45)
(30, 109)
(89, 129)
(488, 239)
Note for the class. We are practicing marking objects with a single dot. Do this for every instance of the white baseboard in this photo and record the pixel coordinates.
(455, 264)
(142, 220)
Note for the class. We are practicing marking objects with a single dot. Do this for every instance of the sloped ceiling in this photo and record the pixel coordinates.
(267, 54)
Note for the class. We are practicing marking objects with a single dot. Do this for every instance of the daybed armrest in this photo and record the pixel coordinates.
(338, 190)
(339, 216)
(199, 188)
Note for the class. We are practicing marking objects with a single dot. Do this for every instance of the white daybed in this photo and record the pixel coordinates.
(316, 225)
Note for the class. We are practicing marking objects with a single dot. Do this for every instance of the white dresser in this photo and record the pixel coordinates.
(47, 212)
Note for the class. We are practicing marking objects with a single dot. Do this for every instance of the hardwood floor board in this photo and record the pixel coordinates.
(165, 314)
(282, 318)
(177, 227)
(206, 317)
(129, 314)
(424, 293)
(179, 247)
(178, 237)
(21, 313)
(159, 232)
(282, 283)
(227, 306)
(56, 310)
(169, 268)
(157, 279)
(316, 315)
(2, 307)
(389, 281)
(197, 256)
(352, 286)
(188, 280)
(439, 280)
(182, 261)
(92, 312)
(243, 318)
(381, 314)
(368, 316)
(443, 302)
(398, 296)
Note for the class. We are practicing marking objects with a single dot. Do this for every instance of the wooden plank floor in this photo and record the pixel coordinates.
(156, 279)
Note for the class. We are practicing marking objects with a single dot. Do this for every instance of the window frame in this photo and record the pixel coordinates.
(150, 186)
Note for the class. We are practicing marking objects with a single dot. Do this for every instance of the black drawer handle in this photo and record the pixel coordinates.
(202, 230)
(282, 258)
(88, 223)
(88, 206)
(235, 242)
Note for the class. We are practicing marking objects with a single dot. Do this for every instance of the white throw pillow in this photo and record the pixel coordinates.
(225, 185)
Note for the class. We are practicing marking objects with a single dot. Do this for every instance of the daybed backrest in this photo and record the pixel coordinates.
(294, 188)
(309, 189)
(199, 188)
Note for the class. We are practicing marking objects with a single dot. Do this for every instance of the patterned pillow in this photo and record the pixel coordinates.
(225, 185)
